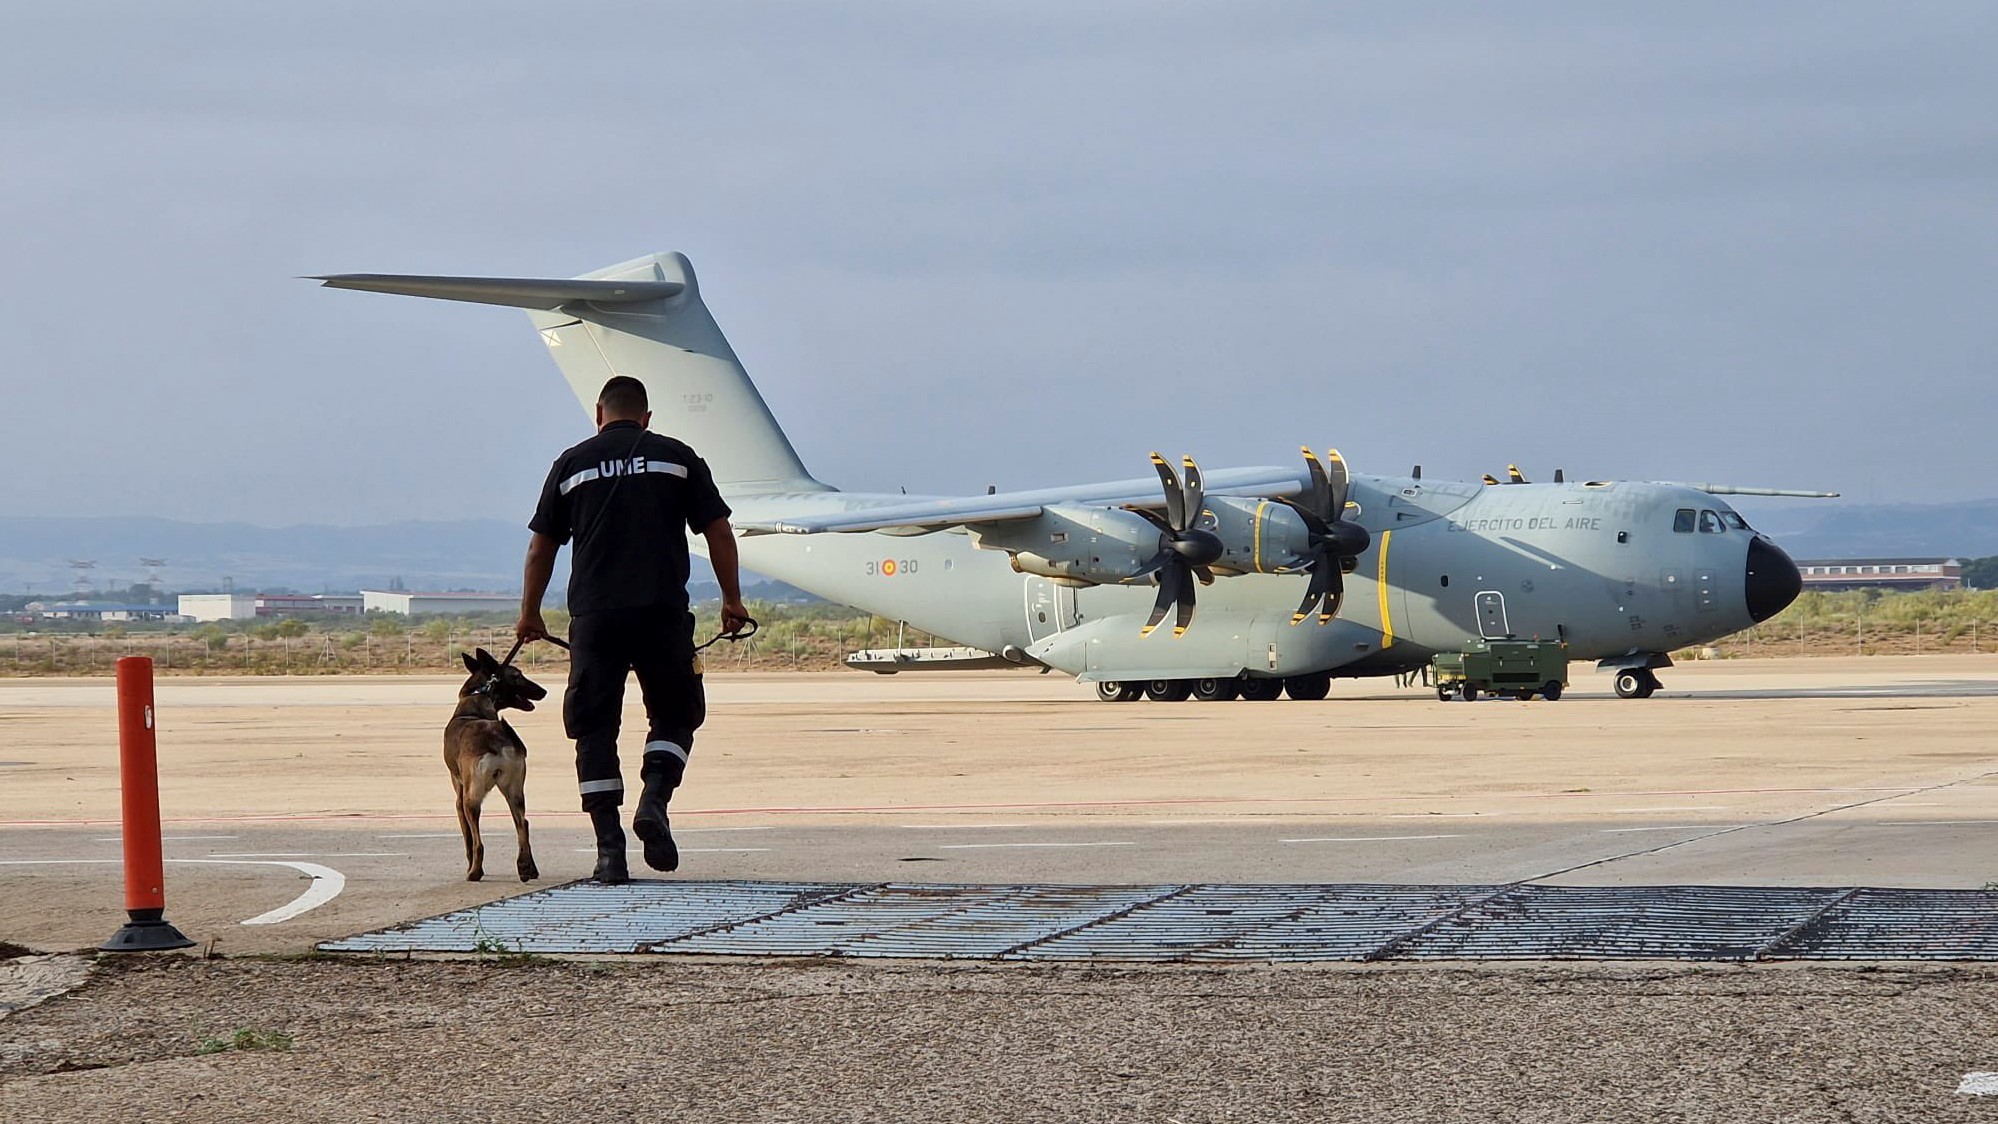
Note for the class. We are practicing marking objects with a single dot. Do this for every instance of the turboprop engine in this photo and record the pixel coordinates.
(1075, 544)
(1305, 533)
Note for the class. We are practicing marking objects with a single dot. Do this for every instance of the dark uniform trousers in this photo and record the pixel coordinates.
(658, 644)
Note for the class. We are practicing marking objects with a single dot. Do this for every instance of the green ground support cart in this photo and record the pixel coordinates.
(1520, 668)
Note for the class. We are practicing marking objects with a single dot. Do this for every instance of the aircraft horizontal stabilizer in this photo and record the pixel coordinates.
(513, 292)
(1742, 490)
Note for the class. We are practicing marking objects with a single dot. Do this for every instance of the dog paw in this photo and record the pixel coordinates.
(474, 875)
(528, 872)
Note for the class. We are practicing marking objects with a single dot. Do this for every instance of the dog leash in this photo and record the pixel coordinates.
(743, 631)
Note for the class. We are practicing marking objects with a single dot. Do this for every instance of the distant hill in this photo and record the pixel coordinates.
(1815, 530)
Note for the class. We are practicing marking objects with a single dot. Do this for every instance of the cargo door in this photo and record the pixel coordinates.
(1050, 608)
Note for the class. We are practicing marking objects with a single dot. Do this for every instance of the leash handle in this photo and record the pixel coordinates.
(743, 631)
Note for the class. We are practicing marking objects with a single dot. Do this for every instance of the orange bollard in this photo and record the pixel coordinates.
(147, 929)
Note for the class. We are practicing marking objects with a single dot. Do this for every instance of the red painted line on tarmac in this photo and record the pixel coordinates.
(881, 809)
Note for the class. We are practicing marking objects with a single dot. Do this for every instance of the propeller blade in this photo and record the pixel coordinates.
(1185, 604)
(1513, 475)
(1336, 588)
(1318, 497)
(1314, 592)
(1196, 495)
(1490, 479)
(1205, 575)
(1335, 472)
(1164, 602)
(1175, 500)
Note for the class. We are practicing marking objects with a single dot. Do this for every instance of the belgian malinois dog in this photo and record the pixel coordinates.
(483, 753)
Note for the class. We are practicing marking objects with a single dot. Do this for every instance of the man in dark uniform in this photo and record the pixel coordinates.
(627, 497)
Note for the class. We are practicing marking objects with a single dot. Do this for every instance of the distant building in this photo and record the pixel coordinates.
(248, 606)
(1833, 574)
(218, 606)
(91, 611)
(298, 604)
(413, 604)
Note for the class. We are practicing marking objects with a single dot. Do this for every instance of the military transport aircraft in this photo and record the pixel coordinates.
(1273, 579)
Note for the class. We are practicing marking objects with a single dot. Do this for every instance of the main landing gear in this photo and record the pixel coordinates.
(1636, 683)
(1303, 687)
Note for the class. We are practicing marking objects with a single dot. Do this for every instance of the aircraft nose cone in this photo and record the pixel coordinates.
(1773, 581)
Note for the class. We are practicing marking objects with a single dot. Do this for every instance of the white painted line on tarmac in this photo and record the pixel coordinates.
(1931, 823)
(167, 838)
(961, 826)
(326, 882)
(1979, 1084)
(1681, 808)
(313, 855)
(992, 846)
(326, 885)
(1369, 839)
(698, 850)
(1669, 827)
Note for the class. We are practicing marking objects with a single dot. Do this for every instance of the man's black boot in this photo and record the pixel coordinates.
(611, 870)
(649, 822)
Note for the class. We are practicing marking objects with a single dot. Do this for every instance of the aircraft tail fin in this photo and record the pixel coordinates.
(642, 318)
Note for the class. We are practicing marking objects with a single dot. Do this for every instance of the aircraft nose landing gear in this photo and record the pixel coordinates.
(1636, 683)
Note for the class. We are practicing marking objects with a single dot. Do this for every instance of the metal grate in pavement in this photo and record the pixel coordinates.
(1216, 922)
(927, 921)
(1264, 923)
(586, 917)
(1622, 923)
(1901, 925)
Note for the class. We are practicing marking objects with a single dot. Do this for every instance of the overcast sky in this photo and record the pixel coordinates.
(1014, 243)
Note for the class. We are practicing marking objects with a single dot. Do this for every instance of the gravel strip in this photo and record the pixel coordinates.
(444, 1041)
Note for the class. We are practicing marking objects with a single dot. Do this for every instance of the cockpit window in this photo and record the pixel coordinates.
(1682, 521)
(1735, 521)
(1710, 523)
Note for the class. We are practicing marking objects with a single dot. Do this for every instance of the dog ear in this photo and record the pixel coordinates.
(487, 661)
(470, 663)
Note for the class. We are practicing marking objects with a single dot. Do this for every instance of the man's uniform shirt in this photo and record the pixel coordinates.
(627, 497)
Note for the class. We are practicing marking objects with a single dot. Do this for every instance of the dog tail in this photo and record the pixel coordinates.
(642, 318)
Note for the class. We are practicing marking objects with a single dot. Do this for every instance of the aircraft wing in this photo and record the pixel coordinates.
(935, 514)
(1745, 490)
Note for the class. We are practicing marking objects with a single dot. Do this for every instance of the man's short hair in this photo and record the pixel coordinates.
(623, 397)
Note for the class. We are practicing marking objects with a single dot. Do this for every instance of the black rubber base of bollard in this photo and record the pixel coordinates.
(147, 931)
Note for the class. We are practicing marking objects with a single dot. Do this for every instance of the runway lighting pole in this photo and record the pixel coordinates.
(147, 929)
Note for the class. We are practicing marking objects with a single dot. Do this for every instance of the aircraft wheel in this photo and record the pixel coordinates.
(1308, 688)
(1261, 690)
(1635, 684)
(1169, 690)
(1109, 691)
(1468, 690)
(1216, 690)
(1551, 692)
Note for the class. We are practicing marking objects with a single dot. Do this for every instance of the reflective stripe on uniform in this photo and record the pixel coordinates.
(666, 468)
(667, 747)
(614, 784)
